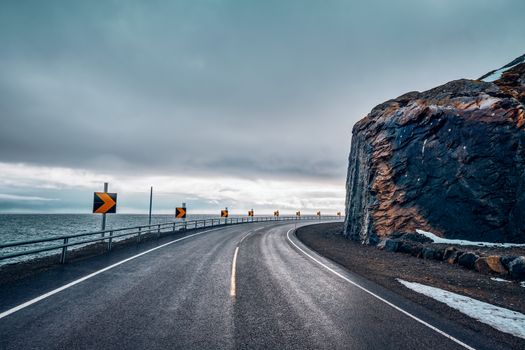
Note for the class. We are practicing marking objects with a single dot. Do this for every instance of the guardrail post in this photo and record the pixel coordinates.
(64, 251)
(138, 235)
(110, 241)
(158, 231)
(174, 227)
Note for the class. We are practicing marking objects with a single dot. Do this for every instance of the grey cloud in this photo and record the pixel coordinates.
(255, 89)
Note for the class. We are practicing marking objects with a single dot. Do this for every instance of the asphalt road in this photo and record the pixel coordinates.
(190, 295)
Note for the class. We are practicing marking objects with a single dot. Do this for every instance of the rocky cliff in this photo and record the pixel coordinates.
(450, 160)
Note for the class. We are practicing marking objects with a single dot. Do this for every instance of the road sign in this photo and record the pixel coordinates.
(105, 203)
(180, 213)
(276, 213)
(319, 213)
(338, 213)
(250, 212)
(297, 213)
(224, 213)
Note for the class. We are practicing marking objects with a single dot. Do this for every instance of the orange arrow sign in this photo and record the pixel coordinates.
(105, 203)
(181, 213)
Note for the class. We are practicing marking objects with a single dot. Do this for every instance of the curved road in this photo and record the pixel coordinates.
(189, 294)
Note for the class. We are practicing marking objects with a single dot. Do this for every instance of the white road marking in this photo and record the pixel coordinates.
(71, 284)
(233, 281)
(378, 297)
(234, 267)
(249, 233)
(246, 235)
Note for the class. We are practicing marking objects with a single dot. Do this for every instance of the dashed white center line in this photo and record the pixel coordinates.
(233, 281)
(234, 267)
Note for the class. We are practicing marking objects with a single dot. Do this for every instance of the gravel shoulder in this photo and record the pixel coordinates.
(385, 267)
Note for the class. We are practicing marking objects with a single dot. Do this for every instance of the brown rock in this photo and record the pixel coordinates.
(449, 160)
(490, 264)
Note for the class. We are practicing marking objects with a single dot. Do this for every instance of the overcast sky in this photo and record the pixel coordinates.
(246, 104)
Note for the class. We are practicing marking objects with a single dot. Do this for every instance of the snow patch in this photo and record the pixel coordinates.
(502, 319)
(522, 284)
(437, 239)
(498, 73)
(497, 279)
(423, 149)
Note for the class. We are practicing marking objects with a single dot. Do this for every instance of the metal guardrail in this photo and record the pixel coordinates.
(109, 236)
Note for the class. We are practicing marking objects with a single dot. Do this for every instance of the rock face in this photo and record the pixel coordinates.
(450, 160)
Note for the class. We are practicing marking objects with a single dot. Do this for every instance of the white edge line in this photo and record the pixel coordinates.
(234, 264)
(380, 298)
(82, 279)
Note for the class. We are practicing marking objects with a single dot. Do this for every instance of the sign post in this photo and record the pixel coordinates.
(224, 214)
(106, 186)
(180, 213)
(150, 204)
(185, 211)
(104, 202)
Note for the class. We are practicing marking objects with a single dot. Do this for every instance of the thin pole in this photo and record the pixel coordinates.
(150, 203)
(104, 215)
(184, 219)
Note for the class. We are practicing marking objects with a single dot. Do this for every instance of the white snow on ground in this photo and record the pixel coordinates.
(502, 319)
(500, 279)
(437, 239)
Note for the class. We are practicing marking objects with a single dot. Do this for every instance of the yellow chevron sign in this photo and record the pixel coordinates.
(297, 213)
(276, 213)
(224, 213)
(180, 213)
(319, 213)
(338, 213)
(104, 203)
(250, 212)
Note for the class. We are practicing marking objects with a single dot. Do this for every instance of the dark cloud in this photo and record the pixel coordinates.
(255, 89)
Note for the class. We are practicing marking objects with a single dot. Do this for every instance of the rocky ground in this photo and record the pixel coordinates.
(384, 267)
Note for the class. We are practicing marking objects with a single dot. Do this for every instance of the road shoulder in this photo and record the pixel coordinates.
(384, 268)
